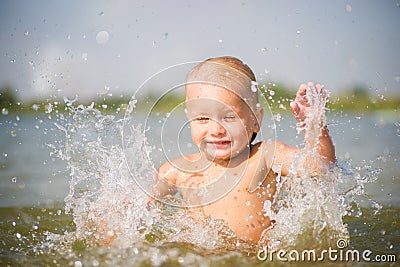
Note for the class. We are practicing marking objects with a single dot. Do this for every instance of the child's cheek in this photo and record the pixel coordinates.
(196, 135)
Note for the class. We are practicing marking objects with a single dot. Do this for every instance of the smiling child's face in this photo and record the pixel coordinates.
(221, 123)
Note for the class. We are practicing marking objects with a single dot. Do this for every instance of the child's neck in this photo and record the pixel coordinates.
(233, 161)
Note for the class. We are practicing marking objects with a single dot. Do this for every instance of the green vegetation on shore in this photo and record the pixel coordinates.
(357, 99)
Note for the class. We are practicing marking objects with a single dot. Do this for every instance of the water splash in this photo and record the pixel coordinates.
(308, 210)
(109, 207)
(107, 197)
(103, 196)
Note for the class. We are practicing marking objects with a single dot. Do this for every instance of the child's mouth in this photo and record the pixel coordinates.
(220, 143)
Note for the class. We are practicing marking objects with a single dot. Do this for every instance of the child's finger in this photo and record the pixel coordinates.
(318, 87)
(302, 90)
(324, 93)
(301, 94)
(295, 109)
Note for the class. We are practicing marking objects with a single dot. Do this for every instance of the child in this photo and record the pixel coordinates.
(231, 178)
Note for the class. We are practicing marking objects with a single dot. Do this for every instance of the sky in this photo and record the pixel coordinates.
(89, 48)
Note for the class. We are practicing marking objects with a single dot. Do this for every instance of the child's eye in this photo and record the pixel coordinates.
(230, 117)
(202, 119)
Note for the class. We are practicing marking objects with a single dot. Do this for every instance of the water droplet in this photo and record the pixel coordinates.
(49, 108)
(78, 264)
(220, 41)
(14, 224)
(35, 107)
(263, 50)
(4, 111)
(101, 14)
(349, 8)
(165, 36)
(26, 33)
(254, 86)
(13, 133)
(102, 37)
(248, 203)
(382, 97)
(85, 56)
(298, 31)
(12, 60)
(68, 37)
(267, 205)
(14, 179)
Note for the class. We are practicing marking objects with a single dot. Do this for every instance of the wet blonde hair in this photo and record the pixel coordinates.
(235, 63)
(227, 72)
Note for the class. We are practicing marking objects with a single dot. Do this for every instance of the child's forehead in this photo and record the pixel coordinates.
(212, 95)
(211, 98)
(204, 90)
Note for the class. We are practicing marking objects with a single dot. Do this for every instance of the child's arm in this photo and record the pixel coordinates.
(165, 181)
(326, 150)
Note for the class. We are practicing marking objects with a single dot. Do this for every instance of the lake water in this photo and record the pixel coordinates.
(34, 181)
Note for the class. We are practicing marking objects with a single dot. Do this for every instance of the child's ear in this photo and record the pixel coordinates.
(259, 114)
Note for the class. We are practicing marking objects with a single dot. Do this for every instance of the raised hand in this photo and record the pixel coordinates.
(308, 99)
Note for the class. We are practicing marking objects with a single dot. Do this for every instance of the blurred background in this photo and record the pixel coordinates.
(51, 49)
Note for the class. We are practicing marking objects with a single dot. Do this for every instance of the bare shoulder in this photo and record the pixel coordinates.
(170, 170)
(277, 149)
(167, 172)
(282, 156)
(268, 149)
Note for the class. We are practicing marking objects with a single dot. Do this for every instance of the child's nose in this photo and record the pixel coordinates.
(216, 128)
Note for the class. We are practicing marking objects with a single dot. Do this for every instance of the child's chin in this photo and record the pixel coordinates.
(214, 155)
